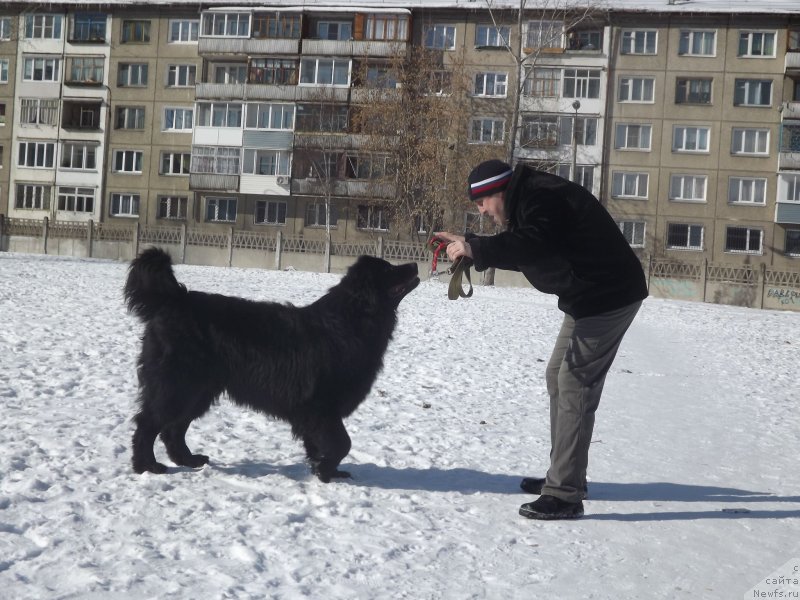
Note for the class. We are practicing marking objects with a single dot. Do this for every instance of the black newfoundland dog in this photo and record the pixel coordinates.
(310, 366)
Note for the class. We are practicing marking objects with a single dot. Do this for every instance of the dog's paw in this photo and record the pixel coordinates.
(156, 468)
(336, 474)
(196, 461)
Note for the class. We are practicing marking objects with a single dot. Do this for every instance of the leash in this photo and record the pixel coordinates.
(458, 270)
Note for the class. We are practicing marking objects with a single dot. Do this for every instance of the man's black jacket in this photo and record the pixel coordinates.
(565, 243)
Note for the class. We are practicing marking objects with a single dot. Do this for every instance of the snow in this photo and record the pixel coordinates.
(693, 493)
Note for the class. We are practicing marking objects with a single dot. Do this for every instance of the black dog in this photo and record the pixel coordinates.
(310, 366)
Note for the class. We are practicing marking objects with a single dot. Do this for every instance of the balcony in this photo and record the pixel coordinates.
(791, 110)
(214, 182)
(226, 46)
(342, 188)
(793, 62)
(789, 161)
(787, 213)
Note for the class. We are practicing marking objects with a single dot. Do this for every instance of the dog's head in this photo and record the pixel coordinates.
(380, 283)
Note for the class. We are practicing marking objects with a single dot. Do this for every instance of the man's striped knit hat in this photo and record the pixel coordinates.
(488, 178)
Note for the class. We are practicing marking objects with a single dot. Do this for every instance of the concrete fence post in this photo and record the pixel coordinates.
(45, 233)
(230, 246)
(136, 236)
(183, 243)
(278, 250)
(90, 236)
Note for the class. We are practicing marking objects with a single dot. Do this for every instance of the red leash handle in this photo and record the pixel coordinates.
(436, 245)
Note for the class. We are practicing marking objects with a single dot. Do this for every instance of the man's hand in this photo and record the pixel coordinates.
(457, 249)
(450, 237)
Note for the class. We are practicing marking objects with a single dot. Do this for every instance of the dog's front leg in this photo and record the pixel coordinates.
(327, 443)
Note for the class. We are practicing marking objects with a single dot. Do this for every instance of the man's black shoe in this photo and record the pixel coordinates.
(534, 485)
(550, 508)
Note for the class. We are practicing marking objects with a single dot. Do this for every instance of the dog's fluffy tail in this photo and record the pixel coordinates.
(151, 282)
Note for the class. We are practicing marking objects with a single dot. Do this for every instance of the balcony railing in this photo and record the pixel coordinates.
(793, 61)
(246, 46)
(214, 181)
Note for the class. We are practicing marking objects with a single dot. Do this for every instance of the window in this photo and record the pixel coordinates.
(793, 40)
(76, 199)
(757, 44)
(325, 71)
(224, 160)
(789, 186)
(543, 83)
(439, 83)
(124, 205)
(181, 75)
(629, 185)
(743, 239)
(128, 161)
(692, 91)
(372, 218)
(175, 163)
(381, 76)
(270, 212)
(178, 119)
(278, 71)
(132, 75)
(688, 188)
(37, 155)
(792, 242)
(491, 84)
(584, 174)
(633, 136)
(697, 43)
(276, 26)
(230, 73)
(33, 196)
(219, 114)
(633, 231)
(440, 37)
(47, 27)
(6, 24)
(752, 92)
(636, 89)
(226, 24)
(588, 39)
(386, 27)
(681, 236)
(130, 117)
(549, 131)
(3, 70)
(366, 166)
(747, 190)
(221, 210)
(79, 155)
(2, 114)
(750, 141)
(172, 207)
(85, 69)
(315, 214)
(183, 31)
(135, 31)
(690, 139)
(489, 36)
(545, 34)
(487, 131)
(269, 116)
(38, 111)
(581, 83)
(266, 162)
(639, 41)
(790, 137)
(334, 30)
(322, 117)
(39, 68)
(88, 27)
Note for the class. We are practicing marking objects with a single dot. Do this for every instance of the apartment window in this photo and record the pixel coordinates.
(386, 27)
(752, 92)
(587, 39)
(747, 190)
(489, 36)
(32, 196)
(172, 207)
(789, 186)
(88, 27)
(440, 37)
(270, 212)
(792, 242)
(226, 24)
(697, 43)
(76, 199)
(487, 131)
(183, 31)
(44, 27)
(222, 210)
(543, 83)
(790, 137)
(750, 141)
(581, 83)
(583, 176)
(315, 214)
(6, 24)
(266, 162)
(439, 83)
(224, 160)
(85, 69)
(639, 41)
(631, 136)
(491, 84)
(325, 71)
(688, 188)
(132, 75)
(3, 70)
(2, 115)
(36, 155)
(276, 26)
(178, 119)
(128, 161)
(233, 73)
(130, 117)
(690, 139)
(381, 76)
(636, 89)
(372, 218)
(322, 117)
(758, 44)
(124, 205)
(545, 34)
(747, 240)
(269, 116)
(38, 111)
(633, 232)
(334, 30)
(367, 167)
(135, 31)
(681, 236)
(277, 71)
(175, 163)
(629, 185)
(181, 75)
(542, 131)
(79, 155)
(81, 115)
(692, 91)
(219, 114)
(40, 68)
(793, 39)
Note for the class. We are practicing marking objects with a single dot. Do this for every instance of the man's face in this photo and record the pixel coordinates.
(493, 206)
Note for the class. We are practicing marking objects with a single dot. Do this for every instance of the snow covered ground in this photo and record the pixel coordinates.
(694, 489)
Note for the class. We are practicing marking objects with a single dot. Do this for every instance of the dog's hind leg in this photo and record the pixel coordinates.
(174, 438)
(144, 459)
(327, 443)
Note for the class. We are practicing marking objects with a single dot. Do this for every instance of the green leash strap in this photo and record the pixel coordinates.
(457, 271)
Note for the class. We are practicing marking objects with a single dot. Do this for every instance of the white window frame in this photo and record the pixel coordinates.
(34, 196)
(634, 232)
(38, 111)
(623, 135)
(178, 119)
(686, 91)
(747, 91)
(634, 89)
(280, 159)
(229, 73)
(691, 139)
(277, 208)
(132, 115)
(372, 218)
(128, 161)
(219, 209)
(30, 67)
(174, 164)
(6, 26)
(172, 208)
(748, 191)
(124, 204)
(183, 31)
(334, 30)
(225, 24)
(4, 62)
(223, 160)
(85, 69)
(688, 188)
(584, 83)
(693, 230)
(74, 199)
(77, 155)
(491, 36)
(43, 27)
(491, 85)
(311, 73)
(315, 215)
(219, 114)
(181, 75)
(479, 125)
(789, 187)
(750, 240)
(385, 27)
(36, 154)
(439, 36)
(625, 184)
(792, 246)
(130, 31)
(690, 39)
(543, 82)
(744, 138)
(757, 44)
(273, 116)
(639, 42)
(544, 33)
(133, 74)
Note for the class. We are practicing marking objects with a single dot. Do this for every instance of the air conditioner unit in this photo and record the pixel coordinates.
(283, 179)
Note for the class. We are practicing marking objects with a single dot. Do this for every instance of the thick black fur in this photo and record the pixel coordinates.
(310, 366)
